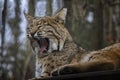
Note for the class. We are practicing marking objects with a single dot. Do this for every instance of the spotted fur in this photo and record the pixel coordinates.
(56, 52)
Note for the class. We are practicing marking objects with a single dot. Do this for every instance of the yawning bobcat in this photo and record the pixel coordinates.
(57, 54)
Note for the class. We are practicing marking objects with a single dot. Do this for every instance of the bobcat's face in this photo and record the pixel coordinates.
(47, 34)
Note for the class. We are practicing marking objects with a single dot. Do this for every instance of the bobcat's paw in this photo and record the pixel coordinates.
(64, 70)
(55, 72)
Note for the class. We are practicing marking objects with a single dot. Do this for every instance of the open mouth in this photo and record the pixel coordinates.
(43, 44)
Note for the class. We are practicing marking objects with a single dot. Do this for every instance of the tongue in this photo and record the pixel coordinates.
(43, 45)
(43, 49)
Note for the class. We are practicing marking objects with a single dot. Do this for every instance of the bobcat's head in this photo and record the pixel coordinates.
(48, 34)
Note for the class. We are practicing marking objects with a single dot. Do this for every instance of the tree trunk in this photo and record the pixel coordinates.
(49, 7)
(4, 12)
(31, 7)
(15, 29)
(30, 58)
(98, 19)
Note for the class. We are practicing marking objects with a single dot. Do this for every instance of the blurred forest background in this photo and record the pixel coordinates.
(93, 24)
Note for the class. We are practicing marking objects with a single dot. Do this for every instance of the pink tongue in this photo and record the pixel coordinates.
(42, 49)
(43, 45)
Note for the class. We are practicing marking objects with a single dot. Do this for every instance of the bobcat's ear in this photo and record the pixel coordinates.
(28, 17)
(61, 16)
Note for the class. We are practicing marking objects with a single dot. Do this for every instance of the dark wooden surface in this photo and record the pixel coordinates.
(100, 75)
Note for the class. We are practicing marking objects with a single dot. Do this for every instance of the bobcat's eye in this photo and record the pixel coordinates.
(39, 34)
(39, 26)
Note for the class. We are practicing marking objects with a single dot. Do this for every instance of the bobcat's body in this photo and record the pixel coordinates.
(48, 63)
(57, 54)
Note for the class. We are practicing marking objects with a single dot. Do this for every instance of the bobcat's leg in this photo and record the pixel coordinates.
(83, 67)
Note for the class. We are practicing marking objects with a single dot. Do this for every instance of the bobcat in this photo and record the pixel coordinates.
(56, 52)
